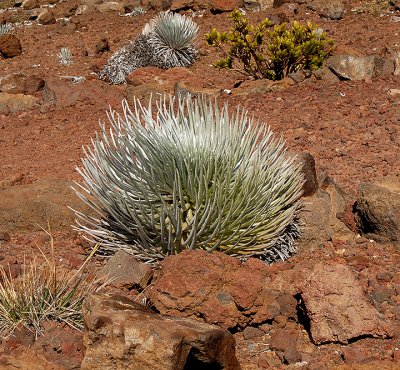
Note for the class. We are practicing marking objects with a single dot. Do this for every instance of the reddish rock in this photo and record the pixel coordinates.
(220, 290)
(24, 358)
(337, 307)
(46, 17)
(61, 345)
(47, 2)
(20, 337)
(288, 306)
(284, 343)
(178, 5)
(18, 83)
(10, 46)
(64, 94)
(102, 46)
(4, 236)
(358, 354)
(121, 334)
(250, 333)
(12, 270)
(124, 270)
(166, 80)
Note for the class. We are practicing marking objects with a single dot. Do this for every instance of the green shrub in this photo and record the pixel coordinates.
(263, 51)
(190, 176)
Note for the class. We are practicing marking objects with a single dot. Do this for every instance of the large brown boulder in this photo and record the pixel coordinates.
(122, 334)
(217, 288)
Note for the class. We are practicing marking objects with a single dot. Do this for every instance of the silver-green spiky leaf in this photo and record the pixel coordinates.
(171, 36)
(190, 176)
(5, 28)
(65, 56)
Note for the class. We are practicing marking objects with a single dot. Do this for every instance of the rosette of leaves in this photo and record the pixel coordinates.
(65, 56)
(272, 52)
(5, 28)
(167, 41)
(187, 176)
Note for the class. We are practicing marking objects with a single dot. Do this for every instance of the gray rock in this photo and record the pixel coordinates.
(331, 9)
(307, 163)
(378, 209)
(258, 5)
(124, 270)
(30, 4)
(122, 334)
(110, 6)
(349, 67)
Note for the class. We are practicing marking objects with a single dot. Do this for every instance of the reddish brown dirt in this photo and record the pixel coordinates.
(350, 127)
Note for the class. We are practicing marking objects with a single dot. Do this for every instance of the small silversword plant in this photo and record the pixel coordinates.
(187, 176)
(166, 42)
(5, 28)
(137, 11)
(65, 56)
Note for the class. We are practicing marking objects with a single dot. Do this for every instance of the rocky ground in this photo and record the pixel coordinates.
(336, 304)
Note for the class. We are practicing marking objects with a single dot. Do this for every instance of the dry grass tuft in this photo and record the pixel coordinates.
(43, 293)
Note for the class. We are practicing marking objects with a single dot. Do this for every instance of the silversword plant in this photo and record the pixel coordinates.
(65, 56)
(5, 28)
(137, 11)
(189, 176)
(166, 41)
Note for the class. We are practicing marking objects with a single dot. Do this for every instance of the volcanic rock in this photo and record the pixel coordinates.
(122, 334)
